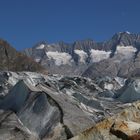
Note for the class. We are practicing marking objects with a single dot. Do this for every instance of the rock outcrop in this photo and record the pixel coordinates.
(122, 126)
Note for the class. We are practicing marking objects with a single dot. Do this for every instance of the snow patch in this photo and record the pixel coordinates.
(126, 51)
(13, 79)
(137, 85)
(98, 55)
(49, 46)
(128, 32)
(125, 32)
(83, 55)
(108, 86)
(37, 60)
(41, 46)
(120, 81)
(69, 92)
(60, 58)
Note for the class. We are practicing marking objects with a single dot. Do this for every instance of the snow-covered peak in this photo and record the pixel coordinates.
(40, 46)
(128, 32)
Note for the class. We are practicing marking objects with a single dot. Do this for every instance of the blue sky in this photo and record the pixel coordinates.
(23, 23)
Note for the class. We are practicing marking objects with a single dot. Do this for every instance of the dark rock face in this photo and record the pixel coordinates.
(40, 116)
(16, 98)
(12, 60)
(37, 111)
(85, 57)
(32, 108)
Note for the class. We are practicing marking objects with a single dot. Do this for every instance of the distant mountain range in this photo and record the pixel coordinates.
(118, 56)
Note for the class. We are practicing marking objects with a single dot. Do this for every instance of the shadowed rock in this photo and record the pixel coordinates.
(16, 98)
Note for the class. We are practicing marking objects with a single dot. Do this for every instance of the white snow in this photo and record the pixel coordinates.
(126, 51)
(128, 32)
(108, 86)
(41, 46)
(37, 59)
(68, 92)
(60, 58)
(13, 79)
(48, 46)
(82, 54)
(98, 55)
(121, 81)
(137, 85)
(125, 32)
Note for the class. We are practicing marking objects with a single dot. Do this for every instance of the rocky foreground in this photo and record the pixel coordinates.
(122, 126)
(34, 106)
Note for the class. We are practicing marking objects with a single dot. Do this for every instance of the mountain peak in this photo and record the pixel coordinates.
(40, 43)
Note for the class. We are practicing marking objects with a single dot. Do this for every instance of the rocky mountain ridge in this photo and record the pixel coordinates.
(10, 59)
(81, 57)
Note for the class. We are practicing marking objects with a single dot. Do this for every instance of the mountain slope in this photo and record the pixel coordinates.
(10, 59)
